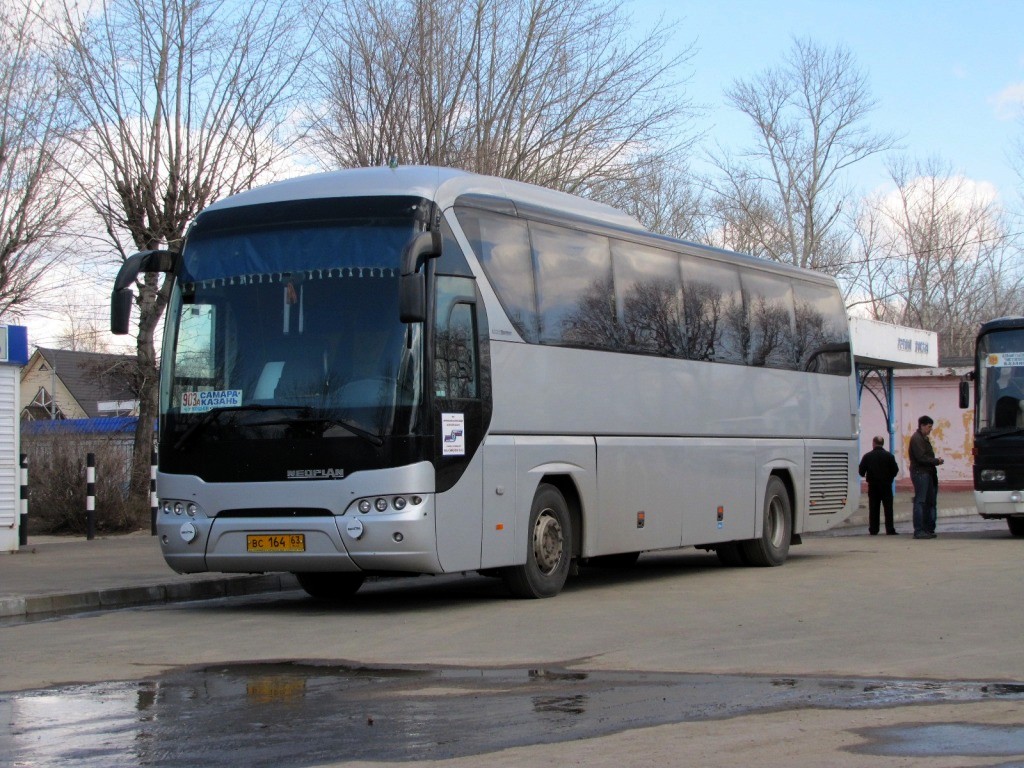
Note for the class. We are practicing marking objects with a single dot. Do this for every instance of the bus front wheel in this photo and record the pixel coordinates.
(1016, 525)
(772, 546)
(330, 586)
(548, 550)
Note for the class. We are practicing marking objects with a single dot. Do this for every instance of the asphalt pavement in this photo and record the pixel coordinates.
(60, 575)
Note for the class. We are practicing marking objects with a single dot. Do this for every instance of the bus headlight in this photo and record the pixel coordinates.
(993, 475)
(181, 508)
(388, 503)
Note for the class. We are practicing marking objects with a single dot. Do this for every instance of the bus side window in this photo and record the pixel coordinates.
(768, 300)
(456, 369)
(821, 339)
(502, 244)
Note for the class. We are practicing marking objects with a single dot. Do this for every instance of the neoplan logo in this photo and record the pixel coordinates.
(315, 474)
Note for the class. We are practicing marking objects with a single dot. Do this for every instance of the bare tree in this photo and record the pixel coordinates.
(939, 255)
(33, 199)
(809, 117)
(559, 93)
(1017, 157)
(179, 102)
(661, 195)
(80, 331)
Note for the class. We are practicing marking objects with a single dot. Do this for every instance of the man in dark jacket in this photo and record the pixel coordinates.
(879, 468)
(925, 476)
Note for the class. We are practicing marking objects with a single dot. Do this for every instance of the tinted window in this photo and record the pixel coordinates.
(716, 328)
(455, 360)
(769, 305)
(821, 340)
(575, 296)
(649, 296)
(502, 244)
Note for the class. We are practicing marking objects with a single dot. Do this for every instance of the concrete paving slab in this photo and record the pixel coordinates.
(58, 575)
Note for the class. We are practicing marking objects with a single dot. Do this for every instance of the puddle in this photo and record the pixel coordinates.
(941, 739)
(291, 715)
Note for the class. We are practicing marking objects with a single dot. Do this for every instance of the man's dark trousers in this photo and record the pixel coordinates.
(880, 496)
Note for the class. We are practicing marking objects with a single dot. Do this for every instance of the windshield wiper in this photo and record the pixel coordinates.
(213, 414)
(370, 437)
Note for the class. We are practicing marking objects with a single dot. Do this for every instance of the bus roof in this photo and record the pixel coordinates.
(445, 185)
(1001, 324)
(441, 185)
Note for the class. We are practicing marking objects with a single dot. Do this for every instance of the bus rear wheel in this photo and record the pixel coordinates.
(330, 585)
(772, 546)
(548, 550)
(1016, 525)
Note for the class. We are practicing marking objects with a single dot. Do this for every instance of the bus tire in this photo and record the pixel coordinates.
(548, 550)
(772, 546)
(1016, 526)
(330, 585)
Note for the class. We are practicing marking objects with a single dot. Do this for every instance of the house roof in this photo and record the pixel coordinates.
(104, 426)
(91, 377)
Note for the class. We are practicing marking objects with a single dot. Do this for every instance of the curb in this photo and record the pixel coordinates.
(40, 606)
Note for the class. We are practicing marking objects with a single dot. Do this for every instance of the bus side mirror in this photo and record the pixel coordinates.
(412, 283)
(412, 298)
(121, 298)
(965, 394)
(120, 310)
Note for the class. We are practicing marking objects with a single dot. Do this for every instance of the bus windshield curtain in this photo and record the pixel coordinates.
(292, 250)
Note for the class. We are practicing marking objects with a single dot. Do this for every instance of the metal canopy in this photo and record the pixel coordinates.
(879, 349)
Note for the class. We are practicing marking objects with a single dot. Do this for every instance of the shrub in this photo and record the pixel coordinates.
(57, 485)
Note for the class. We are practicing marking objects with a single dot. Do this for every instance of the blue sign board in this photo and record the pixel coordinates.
(13, 344)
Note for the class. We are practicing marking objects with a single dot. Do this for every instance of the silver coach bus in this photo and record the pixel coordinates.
(422, 371)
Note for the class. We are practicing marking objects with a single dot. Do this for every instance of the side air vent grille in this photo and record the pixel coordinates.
(830, 482)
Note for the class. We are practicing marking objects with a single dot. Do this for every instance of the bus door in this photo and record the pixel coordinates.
(461, 413)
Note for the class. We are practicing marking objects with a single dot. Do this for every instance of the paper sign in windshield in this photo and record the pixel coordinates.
(1005, 360)
(200, 402)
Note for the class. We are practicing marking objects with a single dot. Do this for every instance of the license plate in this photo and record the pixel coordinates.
(276, 542)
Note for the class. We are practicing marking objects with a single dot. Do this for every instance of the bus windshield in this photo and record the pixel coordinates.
(291, 329)
(1001, 381)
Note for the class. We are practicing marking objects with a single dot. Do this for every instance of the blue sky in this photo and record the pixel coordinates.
(937, 70)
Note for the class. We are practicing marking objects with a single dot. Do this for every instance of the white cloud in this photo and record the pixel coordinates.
(1009, 102)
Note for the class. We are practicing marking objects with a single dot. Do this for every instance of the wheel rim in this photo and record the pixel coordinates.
(547, 542)
(776, 522)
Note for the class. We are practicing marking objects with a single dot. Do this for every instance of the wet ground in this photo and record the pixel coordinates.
(291, 715)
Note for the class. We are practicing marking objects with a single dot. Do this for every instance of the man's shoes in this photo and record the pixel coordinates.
(892, 533)
(873, 533)
(921, 535)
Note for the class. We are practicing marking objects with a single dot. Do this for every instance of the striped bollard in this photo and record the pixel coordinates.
(90, 496)
(23, 525)
(152, 493)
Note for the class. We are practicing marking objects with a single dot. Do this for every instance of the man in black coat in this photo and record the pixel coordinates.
(879, 467)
